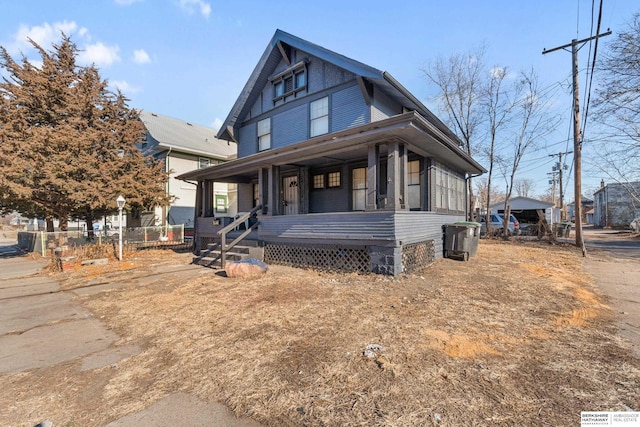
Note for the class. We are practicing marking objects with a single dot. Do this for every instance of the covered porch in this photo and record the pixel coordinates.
(377, 188)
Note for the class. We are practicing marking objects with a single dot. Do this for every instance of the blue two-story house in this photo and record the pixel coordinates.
(341, 165)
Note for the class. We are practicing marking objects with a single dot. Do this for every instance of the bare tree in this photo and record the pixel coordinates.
(524, 186)
(535, 122)
(617, 108)
(482, 188)
(498, 106)
(460, 82)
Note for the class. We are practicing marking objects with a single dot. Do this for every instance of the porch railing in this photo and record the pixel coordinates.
(224, 248)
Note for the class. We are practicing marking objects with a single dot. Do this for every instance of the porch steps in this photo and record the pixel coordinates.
(212, 257)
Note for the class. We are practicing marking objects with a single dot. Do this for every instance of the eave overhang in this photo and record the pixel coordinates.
(420, 135)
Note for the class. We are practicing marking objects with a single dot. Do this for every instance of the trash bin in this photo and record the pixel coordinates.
(461, 240)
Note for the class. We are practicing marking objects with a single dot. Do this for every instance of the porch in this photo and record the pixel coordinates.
(385, 242)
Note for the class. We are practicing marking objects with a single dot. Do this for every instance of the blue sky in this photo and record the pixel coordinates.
(189, 59)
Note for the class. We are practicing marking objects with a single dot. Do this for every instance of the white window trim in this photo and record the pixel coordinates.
(264, 138)
(322, 118)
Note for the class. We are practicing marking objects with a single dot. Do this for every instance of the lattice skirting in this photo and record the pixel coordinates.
(418, 255)
(322, 257)
(347, 258)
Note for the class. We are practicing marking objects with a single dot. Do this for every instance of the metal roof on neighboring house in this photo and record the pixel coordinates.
(185, 137)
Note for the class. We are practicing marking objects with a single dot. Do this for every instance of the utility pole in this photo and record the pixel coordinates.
(560, 166)
(577, 140)
(553, 180)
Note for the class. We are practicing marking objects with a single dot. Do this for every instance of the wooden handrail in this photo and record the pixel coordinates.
(223, 233)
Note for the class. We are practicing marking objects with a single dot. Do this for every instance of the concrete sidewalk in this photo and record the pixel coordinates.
(41, 326)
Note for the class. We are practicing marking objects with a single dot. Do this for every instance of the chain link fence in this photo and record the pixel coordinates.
(132, 238)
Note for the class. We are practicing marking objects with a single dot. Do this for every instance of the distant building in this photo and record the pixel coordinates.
(186, 147)
(526, 210)
(616, 204)
(587, 205)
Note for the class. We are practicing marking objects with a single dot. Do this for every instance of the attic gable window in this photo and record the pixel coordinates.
(290, 81)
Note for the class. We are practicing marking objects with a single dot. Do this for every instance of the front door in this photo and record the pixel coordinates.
(290, 195)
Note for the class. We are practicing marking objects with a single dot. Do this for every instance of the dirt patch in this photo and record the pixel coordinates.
(516, 336)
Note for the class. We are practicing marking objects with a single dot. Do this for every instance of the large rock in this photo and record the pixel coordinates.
(246, 269)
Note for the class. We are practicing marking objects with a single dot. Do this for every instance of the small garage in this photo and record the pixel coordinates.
(526, 210)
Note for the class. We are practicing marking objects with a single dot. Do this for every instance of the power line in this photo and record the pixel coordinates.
(593, 67)
(577, 145)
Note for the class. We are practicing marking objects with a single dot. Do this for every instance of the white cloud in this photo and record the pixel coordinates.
(99, 54)
(44, 35)
(191, 5)
(141, 57)
(126, 2)
(124, 87)
(217, 123)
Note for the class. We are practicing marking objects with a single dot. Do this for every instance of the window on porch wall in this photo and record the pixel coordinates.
(359, 188)
(449, 190)
(413, 177)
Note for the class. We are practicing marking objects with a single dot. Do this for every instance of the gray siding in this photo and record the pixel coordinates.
(323, 75)
(290, 119)
(330, 199)
(348, 109)
(290, 126)
(383, 107)
(412, 227)
(380, 228)
(345, 228)
(257, 108)
(247, 140)
(616, 206)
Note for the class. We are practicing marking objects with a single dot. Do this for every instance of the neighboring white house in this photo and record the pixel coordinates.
(185, 147)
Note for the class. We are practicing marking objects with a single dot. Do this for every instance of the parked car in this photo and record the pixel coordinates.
(497, 224)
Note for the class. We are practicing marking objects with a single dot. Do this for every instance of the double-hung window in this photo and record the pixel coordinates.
(414, 187)
(264, 134)
(319, 117)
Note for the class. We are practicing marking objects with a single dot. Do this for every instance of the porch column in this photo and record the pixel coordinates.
(261, 193)
(303, 188)
(396, 173)
(274, 191)
(198, 210)
(424, 185)
(207, 199)
(404, 177)
(373, 171)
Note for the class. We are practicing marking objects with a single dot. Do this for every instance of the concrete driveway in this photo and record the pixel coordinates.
(613, 259)
(41, 326)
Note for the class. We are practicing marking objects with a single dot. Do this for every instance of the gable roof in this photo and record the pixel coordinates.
(276, 50)
(177, 135)
(520, 202)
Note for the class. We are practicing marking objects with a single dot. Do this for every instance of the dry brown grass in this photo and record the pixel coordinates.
(516, 336)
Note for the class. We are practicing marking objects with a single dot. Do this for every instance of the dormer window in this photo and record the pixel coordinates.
(290, 81)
